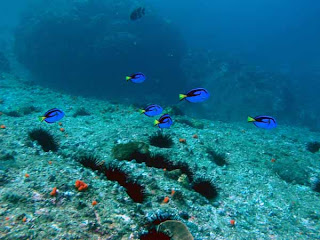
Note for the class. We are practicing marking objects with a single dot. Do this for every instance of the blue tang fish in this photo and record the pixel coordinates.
(53, 115)
(152, 110)
(195, 95)
(164, 121)
(136, 78)
(265, 122)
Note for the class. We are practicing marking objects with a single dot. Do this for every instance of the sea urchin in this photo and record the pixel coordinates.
(44, 139)
(205, 187)
(161, 140)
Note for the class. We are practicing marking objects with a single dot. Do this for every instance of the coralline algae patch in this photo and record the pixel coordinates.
(111, 175)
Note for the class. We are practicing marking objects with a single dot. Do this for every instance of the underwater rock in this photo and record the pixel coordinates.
(315, 184)
(296, 174)
(217, 157)
(174, 110)
(183, 179)
(174, 174)
(111, 45)
(175, 229)
(3, 178)
(5, 156)
(81, 112)
(131, 150)
(4, 63)
(13, 114)
(192, 123)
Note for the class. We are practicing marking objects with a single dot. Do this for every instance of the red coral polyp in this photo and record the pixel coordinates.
(81, 186)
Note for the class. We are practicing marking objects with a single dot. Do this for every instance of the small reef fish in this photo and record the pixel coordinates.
(136, 78)
(51, 116)
(152, 110)
(195, 95)
(137, 13)
(164, 121)
(265, 122)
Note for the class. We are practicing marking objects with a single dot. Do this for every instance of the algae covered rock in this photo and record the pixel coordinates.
(131, 150)
(175, 229)
(292, 171)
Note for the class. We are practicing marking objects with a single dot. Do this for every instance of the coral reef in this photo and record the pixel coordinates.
(267, 173)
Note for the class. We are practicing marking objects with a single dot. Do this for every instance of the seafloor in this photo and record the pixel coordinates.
(264, 185)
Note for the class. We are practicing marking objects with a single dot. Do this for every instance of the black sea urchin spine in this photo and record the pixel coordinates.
(45, 139)
(136, 191)
(161, 140)
(205, 187)
(91, 161)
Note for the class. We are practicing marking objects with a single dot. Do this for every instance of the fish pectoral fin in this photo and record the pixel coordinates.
(251, 119)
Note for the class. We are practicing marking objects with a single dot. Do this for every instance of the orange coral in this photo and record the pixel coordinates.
(195, 136)
(166, 200)
(2, 126)
(182, 140)
(172, 192)
(94, 203)
(232, 222)
(54, 191)
(62, 129)
(81, 186)
(27, 175)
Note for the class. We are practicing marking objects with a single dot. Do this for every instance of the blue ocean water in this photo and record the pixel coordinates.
(268, 50)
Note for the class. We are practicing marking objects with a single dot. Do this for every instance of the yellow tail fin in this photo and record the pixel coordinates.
(41, 119)
(142, 111)
(182, 96)
(128, 78)
(251, 119)
(156, 122)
